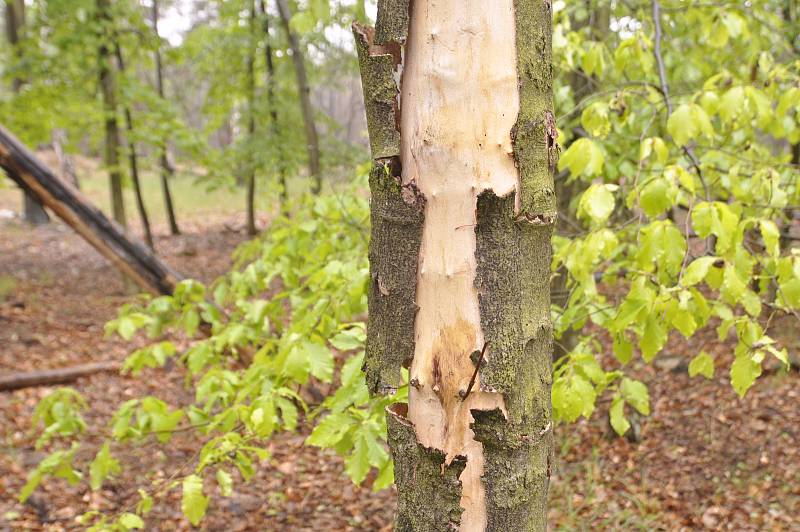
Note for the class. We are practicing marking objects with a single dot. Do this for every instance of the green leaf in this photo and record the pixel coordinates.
(656, 196)
(635, 394)
(702, 364)
(688, 122)
(357, 464)
(696, 270)
(623, 349)
(102, 467)
(617, 416)
(573, 396)
(744, 372)
(597, 203)
(321, 361)
(583, 157)
(225, 482)
(193, 503)
(772, 237)
(130, 521)
(653, 338)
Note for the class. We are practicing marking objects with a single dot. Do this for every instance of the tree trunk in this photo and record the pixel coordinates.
(463, 210)
(312, 139)
(273, 109)
(32, 210)
(129, 256)
(65, 162)
(166, 169)
(108, 88)
(133, 160)
(252, 230)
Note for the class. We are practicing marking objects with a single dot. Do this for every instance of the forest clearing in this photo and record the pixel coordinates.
(537, 270)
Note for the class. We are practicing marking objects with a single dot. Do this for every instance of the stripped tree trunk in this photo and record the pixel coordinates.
(166, 169)
(133, 161)
(108, 88)
(32, 211)
(462, 214)
(304, 90)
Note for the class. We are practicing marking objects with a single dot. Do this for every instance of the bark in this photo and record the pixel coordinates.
(108, 88)
(48, 377)
(133, 162)
(463, 210)
(166, 169)
(32, 211)
(65, 162)
(129, 256)
(304, 90)
(251, 124)
(273, 108)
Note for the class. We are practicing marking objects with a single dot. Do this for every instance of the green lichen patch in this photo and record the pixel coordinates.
(397, 218)
(429, 491)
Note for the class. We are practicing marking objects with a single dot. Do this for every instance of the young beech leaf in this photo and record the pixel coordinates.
(744, 372)
(130, 521)
(225, 482)
(696, 270)
(617, 416)
(635, 394)
(193, 503)
(597, 203)
(583, 156)
(702, 364)
(102, 467)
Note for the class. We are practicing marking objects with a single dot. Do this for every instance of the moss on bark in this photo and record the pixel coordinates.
(428, 491)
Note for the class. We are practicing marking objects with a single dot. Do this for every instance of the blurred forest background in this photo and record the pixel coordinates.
(229, 136)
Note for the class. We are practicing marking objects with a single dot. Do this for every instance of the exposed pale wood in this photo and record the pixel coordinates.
(47, 377)
(129, 256)
(459, 103)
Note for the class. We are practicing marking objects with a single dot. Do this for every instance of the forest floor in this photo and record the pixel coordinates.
(706, 459)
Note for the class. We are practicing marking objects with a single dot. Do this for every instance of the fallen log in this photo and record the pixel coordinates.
(129, 256)
(47, 377)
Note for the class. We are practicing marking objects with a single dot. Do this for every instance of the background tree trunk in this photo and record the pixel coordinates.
(108, 88)
(273, 108)
(65, 162)
(251, 124)
(133, 160)
(32, 211)
(460, 256)
(304, 90)
(166, 169)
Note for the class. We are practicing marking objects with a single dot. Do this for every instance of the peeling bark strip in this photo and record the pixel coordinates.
(462, 211)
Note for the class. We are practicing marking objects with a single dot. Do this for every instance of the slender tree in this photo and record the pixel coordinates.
(166, 169)
(108, 89)
(133, 161)
(32, 211)
(304, 90)
(251, 121)
(463, 210)
(273, 108)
